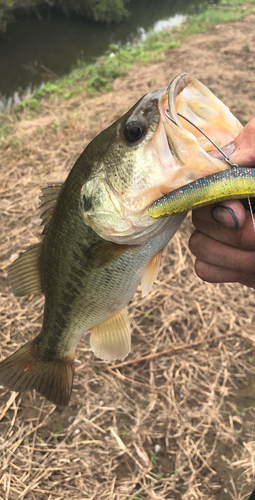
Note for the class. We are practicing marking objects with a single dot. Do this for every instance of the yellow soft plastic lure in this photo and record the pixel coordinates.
(229, 184)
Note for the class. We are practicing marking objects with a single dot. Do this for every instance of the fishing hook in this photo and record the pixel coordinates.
(226, 158)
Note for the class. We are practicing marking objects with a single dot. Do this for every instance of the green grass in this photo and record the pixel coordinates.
(99, 77)
(224, 11)
(6, 139)
(154, 458)
(4, 132)
(118, 60)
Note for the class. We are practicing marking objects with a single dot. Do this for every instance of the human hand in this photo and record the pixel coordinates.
(224, 240)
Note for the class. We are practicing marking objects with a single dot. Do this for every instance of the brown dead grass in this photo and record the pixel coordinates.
(176, 419)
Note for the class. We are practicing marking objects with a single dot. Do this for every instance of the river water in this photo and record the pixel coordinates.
(34, 50)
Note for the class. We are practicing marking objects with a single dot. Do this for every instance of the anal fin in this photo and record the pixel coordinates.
(28, 369)
(150, 273)
(112, 339)
(25, 272)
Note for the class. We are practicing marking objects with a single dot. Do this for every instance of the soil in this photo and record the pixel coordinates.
(176, 421)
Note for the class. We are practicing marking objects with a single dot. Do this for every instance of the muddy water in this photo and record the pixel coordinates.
(47, 45)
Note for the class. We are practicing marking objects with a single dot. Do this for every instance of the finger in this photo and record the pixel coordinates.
(215, 274)
(228, 215)
(244, 154)
(211, 214)
(219, 254)
(249, 281)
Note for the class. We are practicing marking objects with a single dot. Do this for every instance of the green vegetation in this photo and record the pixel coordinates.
(125, 433)
(100, 76)
(98, 10)
(118, 60)
(154, 458)
(246, 48)
(107, 11)
(224, 11)
(5, 128)
(5, 13)
(104, 11)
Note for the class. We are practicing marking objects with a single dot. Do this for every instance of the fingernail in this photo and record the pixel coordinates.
(226, 216)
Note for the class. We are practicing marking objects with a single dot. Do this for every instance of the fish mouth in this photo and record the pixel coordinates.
(173, 154)
(191, 104)
(189, 98)
(227, 150)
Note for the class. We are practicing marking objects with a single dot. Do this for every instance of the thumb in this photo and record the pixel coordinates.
(244, 154)
(229, 214)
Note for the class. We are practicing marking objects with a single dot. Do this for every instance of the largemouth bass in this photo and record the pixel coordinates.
(99, 243)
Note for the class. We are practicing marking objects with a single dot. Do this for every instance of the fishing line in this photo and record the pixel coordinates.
(252, 215)
(226, 158)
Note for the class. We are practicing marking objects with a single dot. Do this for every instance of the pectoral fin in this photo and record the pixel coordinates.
(112, 339)
(25, 273)
(150, 273)
(103, 254)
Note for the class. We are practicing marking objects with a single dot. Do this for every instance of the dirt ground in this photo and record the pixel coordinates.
(175, 420)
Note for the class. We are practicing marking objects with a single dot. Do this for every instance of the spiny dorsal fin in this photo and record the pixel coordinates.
(112, 339)
(28, 369)
(25, 272)
(150, 273)
(48, 200)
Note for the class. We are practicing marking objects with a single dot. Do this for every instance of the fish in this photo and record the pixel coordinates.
(232, 184)
(99, 243)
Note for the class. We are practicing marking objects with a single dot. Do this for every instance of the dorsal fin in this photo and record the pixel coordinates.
(48, 200)
(25, 272)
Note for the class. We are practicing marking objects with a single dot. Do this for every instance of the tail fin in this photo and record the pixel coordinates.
(28, 369)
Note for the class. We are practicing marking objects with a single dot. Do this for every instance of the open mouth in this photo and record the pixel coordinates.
(228, 150)
(195, 109)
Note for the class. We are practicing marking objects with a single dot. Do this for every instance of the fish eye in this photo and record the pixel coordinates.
(134, 131)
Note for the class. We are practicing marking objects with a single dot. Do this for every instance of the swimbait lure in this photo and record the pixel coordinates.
(229, 184)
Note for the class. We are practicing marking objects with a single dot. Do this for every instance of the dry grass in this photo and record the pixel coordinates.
(173, 421)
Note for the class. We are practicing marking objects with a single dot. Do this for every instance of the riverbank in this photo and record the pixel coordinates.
(177, 425)
(87, 79)
(223, 59)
